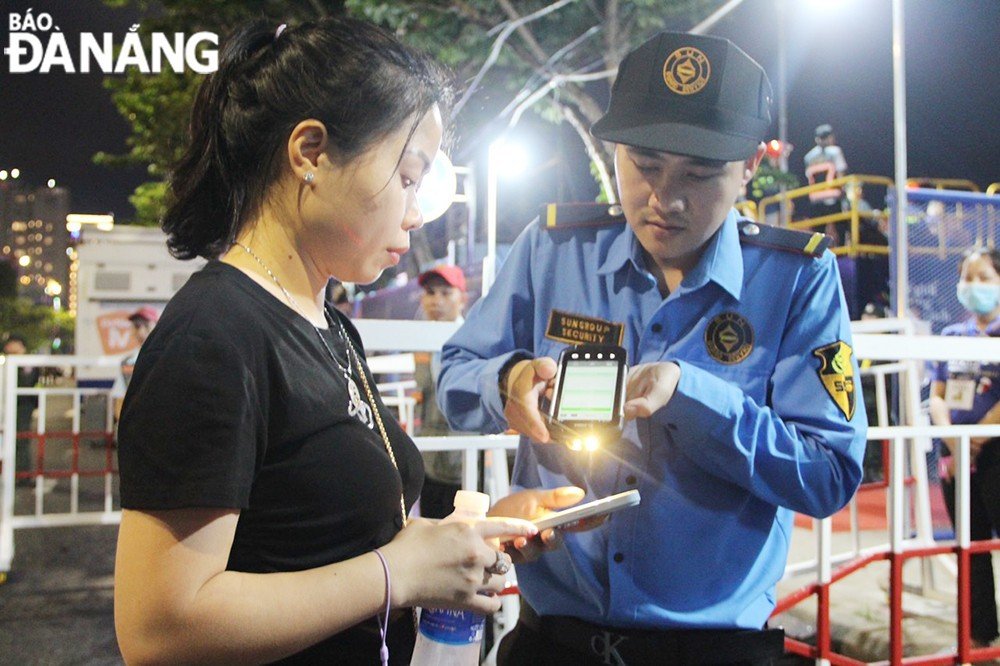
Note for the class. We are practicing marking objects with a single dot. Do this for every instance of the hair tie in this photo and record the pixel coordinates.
(281, 29)
(383, 624)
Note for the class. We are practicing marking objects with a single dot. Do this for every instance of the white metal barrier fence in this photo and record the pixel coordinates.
(903, 355)
(890, 343)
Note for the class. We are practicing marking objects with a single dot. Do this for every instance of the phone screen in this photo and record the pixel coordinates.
(588, 391)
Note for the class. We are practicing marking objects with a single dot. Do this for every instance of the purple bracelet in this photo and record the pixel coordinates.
(383, 624)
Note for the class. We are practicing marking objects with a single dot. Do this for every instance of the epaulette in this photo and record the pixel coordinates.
(576, 215)
(812, 243)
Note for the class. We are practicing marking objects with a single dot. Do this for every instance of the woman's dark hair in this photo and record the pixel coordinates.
(352, 76)
(990, 253)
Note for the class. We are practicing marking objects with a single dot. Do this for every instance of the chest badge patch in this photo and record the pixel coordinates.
(576, 329)
(729, 338)
(837, 375)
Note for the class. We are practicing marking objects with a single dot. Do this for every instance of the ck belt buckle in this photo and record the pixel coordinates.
(605, 644)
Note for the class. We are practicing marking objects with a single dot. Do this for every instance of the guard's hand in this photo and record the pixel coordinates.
(527, 382)
(649, 387)
(532, 505)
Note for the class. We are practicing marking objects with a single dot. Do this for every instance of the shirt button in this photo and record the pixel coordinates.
(619, 557)
(657, 328)
(630, 480)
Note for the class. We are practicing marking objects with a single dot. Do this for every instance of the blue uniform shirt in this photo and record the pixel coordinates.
(752, 434)
(984, 376)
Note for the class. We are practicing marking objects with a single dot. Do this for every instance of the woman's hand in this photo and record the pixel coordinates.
(527, 382)
(535, 504)
(448, 565)
(650, 386)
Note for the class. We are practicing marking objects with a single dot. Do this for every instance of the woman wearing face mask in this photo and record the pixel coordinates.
(967, 392)
(265, 487)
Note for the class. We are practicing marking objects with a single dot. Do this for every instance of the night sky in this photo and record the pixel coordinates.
(839, 70)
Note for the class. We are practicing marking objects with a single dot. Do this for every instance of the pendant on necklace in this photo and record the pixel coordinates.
(357, 407)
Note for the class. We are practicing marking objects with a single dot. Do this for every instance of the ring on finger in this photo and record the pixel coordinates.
(501, 566)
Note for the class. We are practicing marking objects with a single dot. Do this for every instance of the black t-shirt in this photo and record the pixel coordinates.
(235, 403)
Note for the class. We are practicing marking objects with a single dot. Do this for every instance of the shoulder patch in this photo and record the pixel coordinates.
(576, 215)
(837, 375)
(811, 243)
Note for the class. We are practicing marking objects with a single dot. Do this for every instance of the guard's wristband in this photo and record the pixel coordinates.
(505, 369)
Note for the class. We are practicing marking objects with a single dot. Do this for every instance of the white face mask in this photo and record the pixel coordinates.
(981, 298)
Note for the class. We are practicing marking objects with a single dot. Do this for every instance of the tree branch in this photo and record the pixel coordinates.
(590, 109)
(498, 44)
(525, 32)
(611, 34)
(602, 160)
(464, 10)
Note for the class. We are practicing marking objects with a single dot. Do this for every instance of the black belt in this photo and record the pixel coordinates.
(620, 647)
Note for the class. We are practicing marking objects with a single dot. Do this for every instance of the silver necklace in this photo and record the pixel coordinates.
(356, 406)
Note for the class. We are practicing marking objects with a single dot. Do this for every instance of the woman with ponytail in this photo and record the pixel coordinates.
(265, 488)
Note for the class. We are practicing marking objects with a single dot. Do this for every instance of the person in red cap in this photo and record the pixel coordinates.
(445, 293)
(143, 320)
(444, 299)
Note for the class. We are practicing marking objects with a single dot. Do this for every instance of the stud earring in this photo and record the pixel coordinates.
(309, 177)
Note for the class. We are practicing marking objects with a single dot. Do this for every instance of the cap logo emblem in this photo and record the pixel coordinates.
(686, 70)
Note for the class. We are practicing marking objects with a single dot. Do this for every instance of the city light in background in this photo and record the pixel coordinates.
(75, 221)
(33, 237)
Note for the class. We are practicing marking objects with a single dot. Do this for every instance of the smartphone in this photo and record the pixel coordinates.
(588, 396)
(600, 507)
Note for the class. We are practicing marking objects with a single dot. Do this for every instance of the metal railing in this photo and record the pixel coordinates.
(899, 355)
(853, 216)
(943, 184)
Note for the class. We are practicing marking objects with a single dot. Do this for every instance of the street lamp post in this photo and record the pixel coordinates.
(899, 126)
(782, 99)
(489, 261)
(509, 158)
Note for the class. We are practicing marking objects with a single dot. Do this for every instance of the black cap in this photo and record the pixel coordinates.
(689, 94)
(824, 131)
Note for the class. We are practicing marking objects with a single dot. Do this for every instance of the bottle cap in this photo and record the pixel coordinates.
(472, 502)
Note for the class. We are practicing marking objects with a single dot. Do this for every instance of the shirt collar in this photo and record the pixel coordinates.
(624, 249)
(722, 261)
(972, 326)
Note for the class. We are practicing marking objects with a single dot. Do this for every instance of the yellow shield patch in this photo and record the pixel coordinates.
(837, 375)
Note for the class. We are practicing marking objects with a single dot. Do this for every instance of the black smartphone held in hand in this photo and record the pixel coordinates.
(601, 507)
(588, 396)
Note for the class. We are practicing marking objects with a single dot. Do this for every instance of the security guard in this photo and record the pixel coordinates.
(741, 400)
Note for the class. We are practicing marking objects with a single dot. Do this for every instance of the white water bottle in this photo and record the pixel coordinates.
(452, 637)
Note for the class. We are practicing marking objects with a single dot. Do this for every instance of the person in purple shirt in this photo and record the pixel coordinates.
(968, 392)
